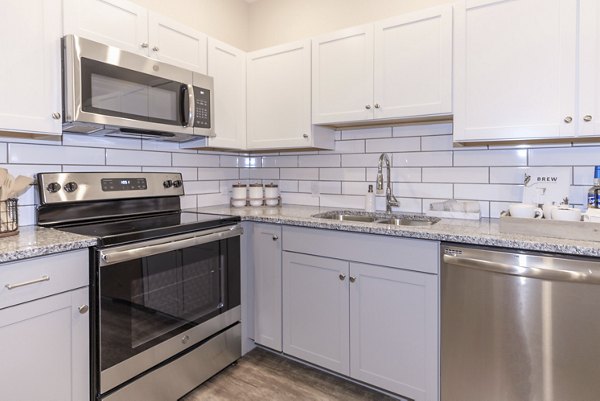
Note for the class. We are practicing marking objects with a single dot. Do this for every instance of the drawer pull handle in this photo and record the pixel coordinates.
(24, 283)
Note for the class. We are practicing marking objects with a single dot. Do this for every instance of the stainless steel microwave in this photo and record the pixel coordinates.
(108, 91)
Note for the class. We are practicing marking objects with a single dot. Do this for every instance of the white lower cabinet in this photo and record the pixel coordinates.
(44, 329)
(377, 324)
(266, 247)
(315, 310)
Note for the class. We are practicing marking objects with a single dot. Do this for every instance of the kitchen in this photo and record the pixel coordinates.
(470, 121)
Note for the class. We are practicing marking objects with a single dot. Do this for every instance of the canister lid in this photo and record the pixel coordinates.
(271, 185)
(256, 185)
(239, 185)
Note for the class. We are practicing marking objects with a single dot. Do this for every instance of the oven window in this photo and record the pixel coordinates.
(148, 300)
(119, 92)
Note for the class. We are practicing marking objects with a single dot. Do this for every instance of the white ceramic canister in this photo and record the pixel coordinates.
(272, 194)
(239, 194)
(255, 194)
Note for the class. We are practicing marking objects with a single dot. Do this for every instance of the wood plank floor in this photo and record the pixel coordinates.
(264, 376)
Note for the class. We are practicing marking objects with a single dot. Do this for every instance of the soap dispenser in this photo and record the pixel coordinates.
(370, 200)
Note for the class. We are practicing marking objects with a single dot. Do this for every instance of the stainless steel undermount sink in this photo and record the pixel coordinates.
(379, 218)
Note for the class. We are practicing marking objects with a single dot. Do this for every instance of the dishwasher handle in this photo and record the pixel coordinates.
(551, 273)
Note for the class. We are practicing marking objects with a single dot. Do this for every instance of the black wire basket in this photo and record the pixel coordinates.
(9, 218)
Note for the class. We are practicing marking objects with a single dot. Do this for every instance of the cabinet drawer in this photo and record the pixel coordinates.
(43, 276)
(403, 253)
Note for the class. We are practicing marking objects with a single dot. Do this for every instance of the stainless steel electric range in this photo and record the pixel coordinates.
(164, 283)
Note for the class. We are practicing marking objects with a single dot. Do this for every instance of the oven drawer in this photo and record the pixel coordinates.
(40, 277)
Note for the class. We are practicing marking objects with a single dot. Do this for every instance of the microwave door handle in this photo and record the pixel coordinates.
(192, 105)
(185, 105)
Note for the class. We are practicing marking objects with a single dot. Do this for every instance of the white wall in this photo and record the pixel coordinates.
(226, 20)
(273, 22)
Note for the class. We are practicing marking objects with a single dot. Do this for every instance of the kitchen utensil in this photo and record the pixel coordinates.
(525, 210)
(20, 186)
(7, 185)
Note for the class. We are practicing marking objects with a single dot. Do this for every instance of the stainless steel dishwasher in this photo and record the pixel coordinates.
(519, 326)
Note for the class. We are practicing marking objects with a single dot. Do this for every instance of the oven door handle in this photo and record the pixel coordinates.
(135, 251)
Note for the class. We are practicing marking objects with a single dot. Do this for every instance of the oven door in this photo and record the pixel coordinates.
(158, 298)
(106, 86)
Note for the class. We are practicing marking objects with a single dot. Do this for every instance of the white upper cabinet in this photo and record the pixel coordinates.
(588, 117)
(394, 69)
(413, 64)
(128, 26)
(30, 88)
(227, 66)
(279, 100)
(177, 44)
(515, 69)
(342, 81)
(118, 23)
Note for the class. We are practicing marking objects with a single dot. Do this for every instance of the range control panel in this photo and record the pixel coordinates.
(123, 184)
(202, 106)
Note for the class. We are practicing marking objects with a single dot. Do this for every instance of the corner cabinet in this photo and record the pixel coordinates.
(279, 100)
(266, 239)
(588, 117)
(30, 91)
(131, 27)
(44, 328)
(515, 80)
(352, 305)
(397, 68)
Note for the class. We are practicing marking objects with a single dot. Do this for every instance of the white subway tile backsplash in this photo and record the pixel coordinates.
(360, 160)
(288, 186)
(355, 146)
(342, 174)
(407, 205)
(483, 158)
(264, 174)
(422, 159)
(423, 190)
(456, 174)
(576, 156)
(343, 201)
(491, 192)
(216, 173)
(583, 175)
(356, 188)
(423, 129)
(75, 168)
(441, 142)
(399, 174)
(137, 158)
(319, 161)
(299, 173)
(393, 145)
(101, 142)
(320, 187)
(379, 132)
(279, 161)
(300, 199)
(45, 154)
(195, 160)
(187, 173)
(507, 175)
(202, 187)
(232, 161)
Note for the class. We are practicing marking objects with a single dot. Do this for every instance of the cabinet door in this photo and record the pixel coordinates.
(413, 64)
(589, 68)
(342, 81)
(177, 44)
(316, 310)
(515, 79)
(30, 90)
(267, 285)
(278, 98)
(227, 66)
(394, 330)
(45, 349)
(118, 23)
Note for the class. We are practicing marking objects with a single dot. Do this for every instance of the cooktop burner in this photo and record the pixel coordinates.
(148, 227)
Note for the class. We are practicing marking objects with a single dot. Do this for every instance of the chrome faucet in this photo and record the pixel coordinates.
(390, 199)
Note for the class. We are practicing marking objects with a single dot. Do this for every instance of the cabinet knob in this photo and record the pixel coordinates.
(568, 119)
(377, 106)
(144, 45)
(185, 339)
(155, 49)
(275, 237)
(56, 115)
(342, 276)
(368, 107)
(305, 136)
(352, 279)
(83, 309)
(587, 118)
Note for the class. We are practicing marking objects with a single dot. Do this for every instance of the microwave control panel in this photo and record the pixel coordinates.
(202, 106)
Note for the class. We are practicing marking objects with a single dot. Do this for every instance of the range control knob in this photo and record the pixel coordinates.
(167, 183)
(53, 187)
(177, 183)
(71, 186)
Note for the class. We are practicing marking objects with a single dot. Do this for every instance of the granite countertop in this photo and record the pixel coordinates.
(481, 232)
(34, 241)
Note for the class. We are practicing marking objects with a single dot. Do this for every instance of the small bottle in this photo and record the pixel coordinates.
(370, 200)
(594, 192)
